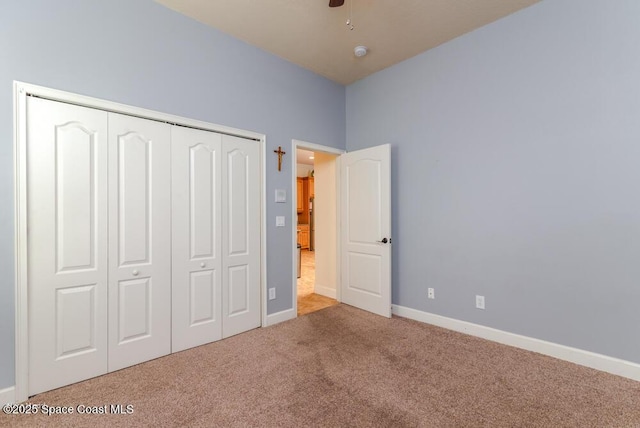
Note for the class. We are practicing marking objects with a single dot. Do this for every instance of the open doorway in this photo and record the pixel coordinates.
(316, 228)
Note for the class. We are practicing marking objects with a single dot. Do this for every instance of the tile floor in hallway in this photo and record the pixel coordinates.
(308, 301)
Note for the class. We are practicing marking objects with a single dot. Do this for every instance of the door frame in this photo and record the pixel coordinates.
(21, 91)
(295, 145)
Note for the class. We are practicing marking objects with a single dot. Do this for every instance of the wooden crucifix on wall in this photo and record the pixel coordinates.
(279, 152)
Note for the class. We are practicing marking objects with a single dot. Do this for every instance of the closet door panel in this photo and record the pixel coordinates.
(197, 223)
(241, 235)
(139, 240)
(67, 243)
(134, 198)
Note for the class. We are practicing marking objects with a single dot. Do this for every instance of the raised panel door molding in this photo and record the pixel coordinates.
(203, 201)
(134, 310)
(76, 181)
(363, 181)
(75, 321)
(134, 198)
(237, 202)
(203, 302)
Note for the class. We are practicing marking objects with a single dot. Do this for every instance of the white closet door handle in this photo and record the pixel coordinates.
(135, 272)
(203, 264)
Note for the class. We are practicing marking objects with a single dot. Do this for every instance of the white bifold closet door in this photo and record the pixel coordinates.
(120, 270)
(139, 240)
(240, 235)
(67, 243)
(197, 237)
(216, 236)
(99, 260)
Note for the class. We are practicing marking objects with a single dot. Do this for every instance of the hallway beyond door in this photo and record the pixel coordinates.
(308, 301)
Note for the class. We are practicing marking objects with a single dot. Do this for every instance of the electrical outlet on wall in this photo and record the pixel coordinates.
(272, 294)
(480, 302)
(431, 294)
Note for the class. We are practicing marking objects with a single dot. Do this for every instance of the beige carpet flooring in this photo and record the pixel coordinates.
(343, 367)
(308, 301)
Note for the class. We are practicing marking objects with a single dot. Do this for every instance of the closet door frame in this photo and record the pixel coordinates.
(23, 90)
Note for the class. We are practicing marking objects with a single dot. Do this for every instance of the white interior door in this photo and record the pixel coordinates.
(241, 235)
(139, 240)
(67, 245)
(197, 237)
(366, 229)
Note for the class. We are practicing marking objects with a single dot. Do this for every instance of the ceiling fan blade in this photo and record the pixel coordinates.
(336, 3)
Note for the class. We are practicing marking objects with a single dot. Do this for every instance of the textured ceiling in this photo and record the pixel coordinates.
(316, 37)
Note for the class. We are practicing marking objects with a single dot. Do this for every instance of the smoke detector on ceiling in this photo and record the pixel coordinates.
(360, 51)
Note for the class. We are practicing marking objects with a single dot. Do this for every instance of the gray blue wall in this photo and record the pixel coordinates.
(139, 53)
(516, 173)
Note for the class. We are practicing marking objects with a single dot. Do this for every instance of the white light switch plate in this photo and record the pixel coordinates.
(279, 221)
(281, 195)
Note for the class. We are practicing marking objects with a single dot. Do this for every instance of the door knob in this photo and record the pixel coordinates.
(135, 272)
(203, 264)
(385, 240)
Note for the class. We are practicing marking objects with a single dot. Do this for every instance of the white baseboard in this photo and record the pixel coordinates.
(325, 291)
(281, 316)
(8, 395)
(600, 362)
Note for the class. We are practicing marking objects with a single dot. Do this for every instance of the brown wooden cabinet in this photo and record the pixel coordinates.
(300, 194)
(303, 235)
(311, 187)
(305, 190)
